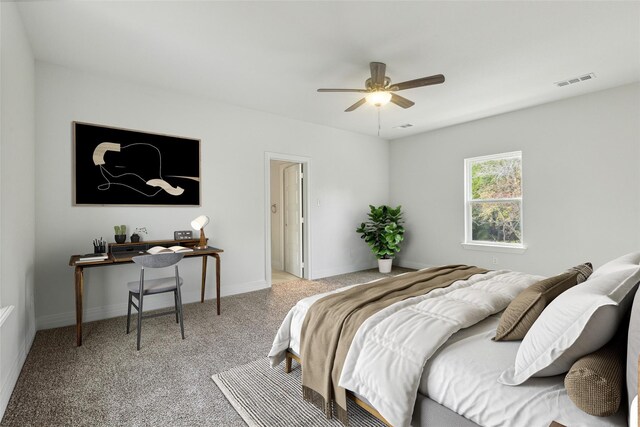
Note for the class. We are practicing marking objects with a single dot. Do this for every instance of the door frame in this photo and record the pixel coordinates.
(306, 212)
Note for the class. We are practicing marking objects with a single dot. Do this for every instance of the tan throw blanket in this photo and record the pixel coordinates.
(332, 322)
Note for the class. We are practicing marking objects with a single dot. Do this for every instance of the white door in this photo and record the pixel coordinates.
(293, 220)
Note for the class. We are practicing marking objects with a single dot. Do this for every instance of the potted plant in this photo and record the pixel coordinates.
(121, 233)
(383, 232)
(135, 237)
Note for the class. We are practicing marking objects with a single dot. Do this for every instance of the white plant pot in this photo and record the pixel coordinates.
(384, 265)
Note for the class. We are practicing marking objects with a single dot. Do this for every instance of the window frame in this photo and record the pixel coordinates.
(468, 242)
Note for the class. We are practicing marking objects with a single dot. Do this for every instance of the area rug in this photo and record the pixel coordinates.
(266, 397)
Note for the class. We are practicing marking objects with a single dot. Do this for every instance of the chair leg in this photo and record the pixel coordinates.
(179, 295)
(129, 313)
(140, 297)
(175, 300)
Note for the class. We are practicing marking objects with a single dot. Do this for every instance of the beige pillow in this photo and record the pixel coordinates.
(595, 382)
(523, 311)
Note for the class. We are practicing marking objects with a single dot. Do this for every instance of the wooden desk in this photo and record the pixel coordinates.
(124, 257)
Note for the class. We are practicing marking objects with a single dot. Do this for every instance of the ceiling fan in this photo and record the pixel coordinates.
(379, 89)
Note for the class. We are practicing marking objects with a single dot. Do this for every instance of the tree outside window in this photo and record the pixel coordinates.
(493, 194)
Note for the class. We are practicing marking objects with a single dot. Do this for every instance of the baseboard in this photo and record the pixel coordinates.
(14, 373)
(245, 287)
(105, 312)
(414, 265)
(328, 272)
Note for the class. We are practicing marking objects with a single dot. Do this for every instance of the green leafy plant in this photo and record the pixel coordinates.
(120, 229)
(383, 232)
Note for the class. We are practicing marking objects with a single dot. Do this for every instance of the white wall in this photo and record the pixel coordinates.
(234, 142)
(581, 182)
(17, 217)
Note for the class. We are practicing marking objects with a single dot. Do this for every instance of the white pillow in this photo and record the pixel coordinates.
(576, 323)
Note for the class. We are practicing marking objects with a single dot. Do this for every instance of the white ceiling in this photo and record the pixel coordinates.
(272, 56)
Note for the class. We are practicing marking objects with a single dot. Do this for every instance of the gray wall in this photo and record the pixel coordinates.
(233, 145)
(17, 217)
(581, 182)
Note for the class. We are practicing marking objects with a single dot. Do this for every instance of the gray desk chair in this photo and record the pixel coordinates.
(155, 286)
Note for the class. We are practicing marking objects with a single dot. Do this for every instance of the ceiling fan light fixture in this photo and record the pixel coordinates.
(378, 98)
(379, 91)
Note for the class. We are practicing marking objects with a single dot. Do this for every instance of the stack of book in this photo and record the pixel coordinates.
(93, 257)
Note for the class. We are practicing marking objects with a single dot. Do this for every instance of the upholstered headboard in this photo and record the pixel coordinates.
(633, 349)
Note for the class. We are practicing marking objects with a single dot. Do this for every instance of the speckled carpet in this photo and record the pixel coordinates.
(106, 382)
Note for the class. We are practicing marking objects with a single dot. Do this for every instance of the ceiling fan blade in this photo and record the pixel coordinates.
(400, 101)
(343, 90)
(424, 81)
(377, 73)
(356, 105)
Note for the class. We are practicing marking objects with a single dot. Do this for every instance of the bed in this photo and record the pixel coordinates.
(457, 383)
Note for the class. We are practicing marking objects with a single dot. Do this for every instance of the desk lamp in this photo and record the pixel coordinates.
(199, 224)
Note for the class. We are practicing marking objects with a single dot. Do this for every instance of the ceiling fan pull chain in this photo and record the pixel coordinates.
(378, 121)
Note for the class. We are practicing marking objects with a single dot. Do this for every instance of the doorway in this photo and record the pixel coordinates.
(287, 219)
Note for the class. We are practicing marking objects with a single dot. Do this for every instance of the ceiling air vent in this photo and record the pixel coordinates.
(404, 126)
(575, 80)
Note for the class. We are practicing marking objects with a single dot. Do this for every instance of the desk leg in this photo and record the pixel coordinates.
(204, 278)
(79, 291)
(217, 257)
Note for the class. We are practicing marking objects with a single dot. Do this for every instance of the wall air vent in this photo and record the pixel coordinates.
(574, 80)
(404, 126)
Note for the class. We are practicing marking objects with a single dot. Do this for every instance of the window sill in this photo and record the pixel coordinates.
(4, 313)
(488, 247)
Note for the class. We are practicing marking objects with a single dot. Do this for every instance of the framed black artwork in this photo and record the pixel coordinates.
(115, 166)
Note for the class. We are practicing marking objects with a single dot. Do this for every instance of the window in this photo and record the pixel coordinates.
(493, 201)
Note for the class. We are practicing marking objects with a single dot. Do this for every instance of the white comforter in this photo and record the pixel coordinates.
(388, 353)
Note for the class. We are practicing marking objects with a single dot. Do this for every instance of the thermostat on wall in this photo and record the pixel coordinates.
(182, 235)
